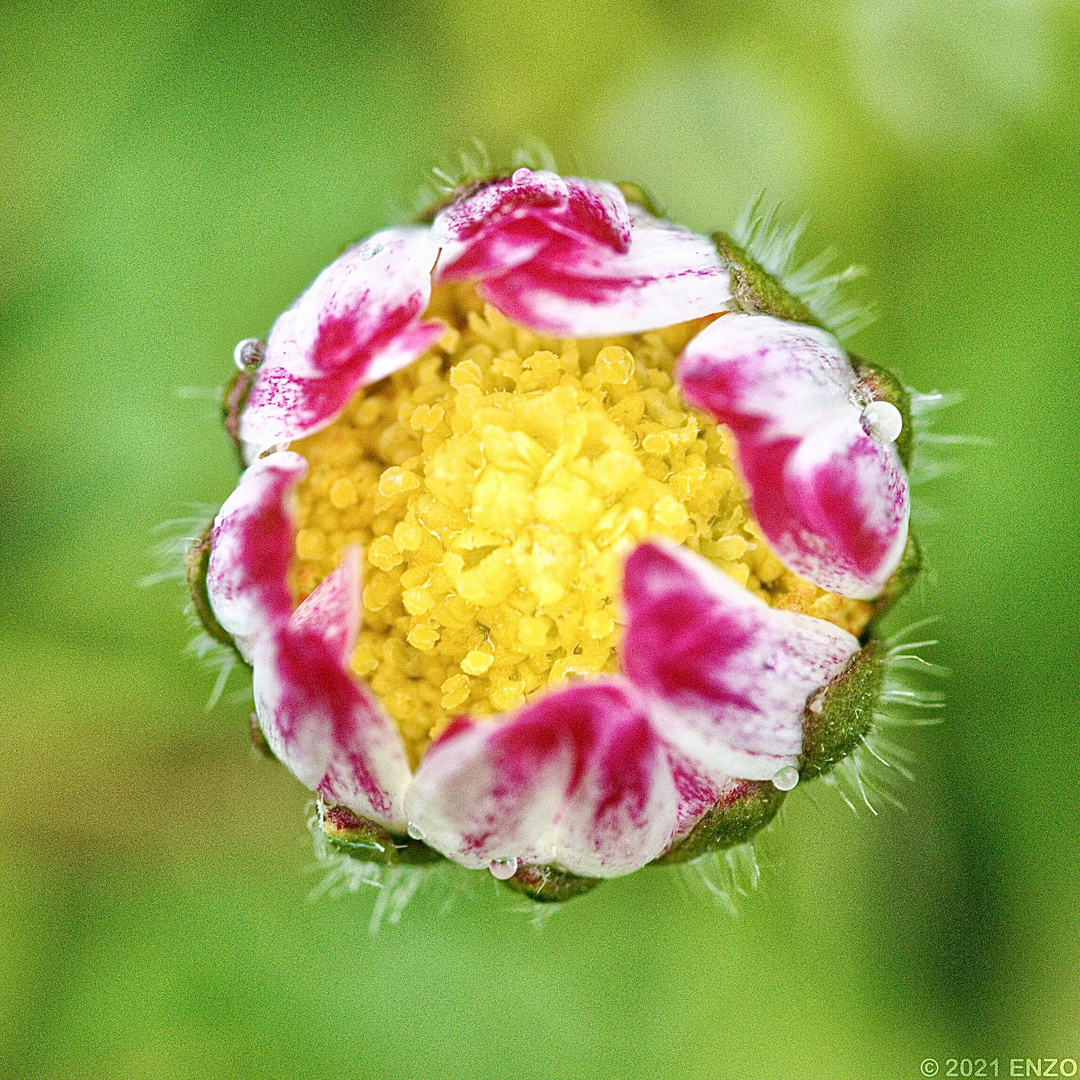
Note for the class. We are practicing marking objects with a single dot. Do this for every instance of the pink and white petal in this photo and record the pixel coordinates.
(577, 778)
(728, 677)
(335, 609)
(698, 791)
(511, 220)
(849, 495)
(356, 323)
(329, 730)
(476, 801)
(595, 211)
(765, 377)
(515, 242)
(508, 198)
(669, 275)
(251, 547)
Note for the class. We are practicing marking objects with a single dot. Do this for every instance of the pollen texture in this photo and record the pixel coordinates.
(496, 486)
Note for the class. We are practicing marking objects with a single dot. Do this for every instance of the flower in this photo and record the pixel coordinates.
(651, 610)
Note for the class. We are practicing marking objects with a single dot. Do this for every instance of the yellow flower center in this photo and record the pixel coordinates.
(496, 485)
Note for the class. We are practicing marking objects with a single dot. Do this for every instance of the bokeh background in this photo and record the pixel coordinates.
(172, 175)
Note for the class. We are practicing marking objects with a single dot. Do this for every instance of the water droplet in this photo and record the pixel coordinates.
(786, 778)
(414, 832)
(881, 420)
(521, 175)
(503, 869)
(248, 351)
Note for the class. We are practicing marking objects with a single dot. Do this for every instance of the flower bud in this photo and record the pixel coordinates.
(559, 531)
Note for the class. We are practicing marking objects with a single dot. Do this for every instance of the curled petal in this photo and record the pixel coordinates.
(334, 609)
(358, 322)
(728, 676)
(766, 378)
(329, 730)
(513, 219)
(668, 275)
(577, 778)
(832, 502)
(251, 547)
(849, 494)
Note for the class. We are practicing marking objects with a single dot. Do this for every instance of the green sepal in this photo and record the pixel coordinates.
(636, 195)
(903, 577)
(350, 834)
(196, 563)
(879, 384)
(839, 716)
(755, 290)
(739, 814)
(549, 884)
(234, 396)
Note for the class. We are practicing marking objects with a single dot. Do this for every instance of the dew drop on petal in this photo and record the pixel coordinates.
(414, 832)
(503, 869)
(882, 421)
(786, 778)
(248, 351)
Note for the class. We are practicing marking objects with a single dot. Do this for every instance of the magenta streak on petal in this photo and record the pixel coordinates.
(308, 404)
(251, 548)
(515, 242)
(342, 357)
(763, 466)
(728, 676)
(328, 729)
(344, 341)
(583, 724)
(595, 211)
(317, 720)
(577, 777)
(684, 636)
(715, 388)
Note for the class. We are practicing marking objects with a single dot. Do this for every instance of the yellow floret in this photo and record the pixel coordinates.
(496, 485)
(477, 662)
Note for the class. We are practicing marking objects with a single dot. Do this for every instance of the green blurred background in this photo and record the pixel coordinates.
(172, 175)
